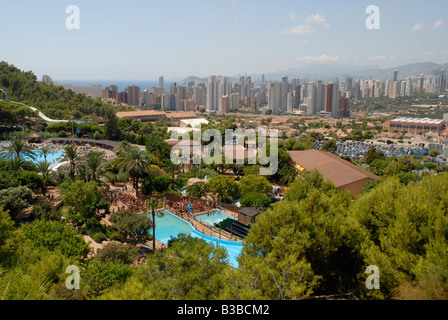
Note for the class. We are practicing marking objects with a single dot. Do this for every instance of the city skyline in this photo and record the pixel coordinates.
(144, 39)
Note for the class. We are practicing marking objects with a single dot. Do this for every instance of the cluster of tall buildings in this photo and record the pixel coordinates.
(283, 96)
(326, 100)
(130, 96)
(396, 87)
(222, 94)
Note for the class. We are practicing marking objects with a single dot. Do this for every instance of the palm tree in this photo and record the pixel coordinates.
(19, 147)
(111, 172)
(152, 204)
(135, 162)
(72, 155)
(197, 190)
(43, 167)
(95, 163)
(46, 151)
(124, 147)
(17, 164)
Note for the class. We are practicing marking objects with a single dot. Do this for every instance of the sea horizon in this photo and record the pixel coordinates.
(121, 84)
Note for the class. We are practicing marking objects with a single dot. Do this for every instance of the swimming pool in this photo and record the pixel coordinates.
(215, 217)
(169, 225)
(52, 158)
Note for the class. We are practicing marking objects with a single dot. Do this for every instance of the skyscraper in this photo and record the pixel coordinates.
(297, 96)
(225, 104)
(395, 75)
(275, 97)
(421, 81)
(343, 108)
(248, 87)
(161, 82)
(442, 81)
(285, 85)
(329, 96)
(349, 85)
(212, 94)
(133, 95)
(223, 89)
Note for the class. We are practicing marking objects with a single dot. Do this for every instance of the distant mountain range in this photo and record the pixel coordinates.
(337, 71)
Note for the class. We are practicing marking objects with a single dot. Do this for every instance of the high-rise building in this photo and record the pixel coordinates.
(285, 85)
(442, 81)
(275, 97)
(297, 96)
(234, 101)
(289, 102)
(133, 95)
(110, 92)
(248, 88)
(332, 99)
(162, 83)
(170, 101)
(122, 97)
(349, 85)
(225, 104)
(223, 89)
(395, 75)
(329, 97)
(212, 94)
(394, 90)
(47, 79)
(145, 98)
(343, 108)
(316, 98)
(420, 85)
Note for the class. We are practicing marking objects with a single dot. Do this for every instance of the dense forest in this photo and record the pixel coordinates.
(318, 241)
(54, 101)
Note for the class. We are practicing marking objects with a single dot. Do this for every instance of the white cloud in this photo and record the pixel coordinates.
(300, 29)
(315, 18)
(438, 24)
(292, 16)
(418, 27)
(321, 58)
(377, 58)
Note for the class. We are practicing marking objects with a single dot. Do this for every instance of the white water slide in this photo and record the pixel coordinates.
(39, 113)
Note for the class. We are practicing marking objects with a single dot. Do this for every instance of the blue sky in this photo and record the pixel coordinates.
(141, 40)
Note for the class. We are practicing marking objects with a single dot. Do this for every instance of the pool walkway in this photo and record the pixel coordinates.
(205, 229)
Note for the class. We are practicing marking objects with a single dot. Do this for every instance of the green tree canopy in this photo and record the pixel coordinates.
(56, 236)
(253, 183)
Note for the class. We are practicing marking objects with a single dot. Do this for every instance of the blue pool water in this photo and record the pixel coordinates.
(216, 217)
(51, 158)
(170, 225)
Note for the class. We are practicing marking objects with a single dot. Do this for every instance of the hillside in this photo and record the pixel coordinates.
(54, 101)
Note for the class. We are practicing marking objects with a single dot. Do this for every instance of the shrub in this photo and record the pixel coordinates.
(99, 237)
(15, 199)
(115, 252)
(256, 200)
(44, 210)
(98, 277)
(56, 236)
(62, 134)
(98, 136)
